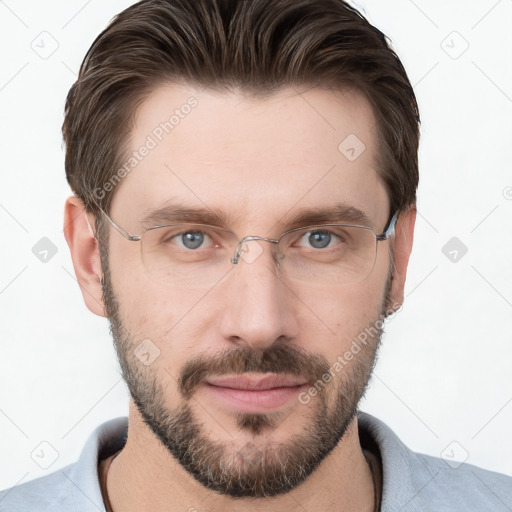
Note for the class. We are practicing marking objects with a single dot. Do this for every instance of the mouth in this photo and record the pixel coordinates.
(254, 393)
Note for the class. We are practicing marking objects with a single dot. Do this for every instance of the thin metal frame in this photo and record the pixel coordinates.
(388, 231)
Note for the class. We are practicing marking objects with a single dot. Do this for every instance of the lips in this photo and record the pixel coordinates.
(256, 393)
(256, 382)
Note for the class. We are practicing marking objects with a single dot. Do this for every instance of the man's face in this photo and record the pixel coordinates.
(260, 162)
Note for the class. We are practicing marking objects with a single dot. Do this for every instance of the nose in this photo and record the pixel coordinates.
(259, 306)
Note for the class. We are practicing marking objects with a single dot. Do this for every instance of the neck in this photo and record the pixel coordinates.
(145, 477)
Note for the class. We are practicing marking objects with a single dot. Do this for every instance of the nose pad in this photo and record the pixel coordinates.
(250, 252)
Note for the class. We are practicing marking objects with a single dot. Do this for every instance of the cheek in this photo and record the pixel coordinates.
(150, 309)
(341, 311)
(172, 318)
(336, 318)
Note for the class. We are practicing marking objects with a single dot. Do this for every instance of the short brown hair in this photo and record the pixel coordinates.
(258, 46)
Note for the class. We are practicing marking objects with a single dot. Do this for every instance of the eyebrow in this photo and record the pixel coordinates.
(174, 212)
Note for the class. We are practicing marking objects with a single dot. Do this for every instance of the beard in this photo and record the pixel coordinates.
(255, 469)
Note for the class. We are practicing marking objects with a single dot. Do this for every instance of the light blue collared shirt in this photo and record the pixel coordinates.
(412, 482)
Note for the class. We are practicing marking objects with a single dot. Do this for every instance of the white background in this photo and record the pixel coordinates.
(445, 368)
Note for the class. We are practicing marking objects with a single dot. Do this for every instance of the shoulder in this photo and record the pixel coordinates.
(463, 485)
(74, 488)
(418, 482)
(42, 494)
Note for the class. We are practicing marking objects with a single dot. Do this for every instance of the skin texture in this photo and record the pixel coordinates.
(260, 161)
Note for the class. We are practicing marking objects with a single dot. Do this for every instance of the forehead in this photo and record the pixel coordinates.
(257, 159)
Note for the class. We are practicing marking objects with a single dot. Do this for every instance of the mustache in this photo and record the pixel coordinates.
(279, 359)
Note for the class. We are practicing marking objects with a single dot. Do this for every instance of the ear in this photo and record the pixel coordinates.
(402, 248)
(84, 253)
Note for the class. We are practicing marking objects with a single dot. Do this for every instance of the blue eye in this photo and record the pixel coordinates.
(319, 239)
(192, 239)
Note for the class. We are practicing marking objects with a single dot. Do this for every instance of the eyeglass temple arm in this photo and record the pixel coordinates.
(390, 228)
(123, 232)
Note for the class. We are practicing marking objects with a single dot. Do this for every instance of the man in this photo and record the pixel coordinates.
(245, 180)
